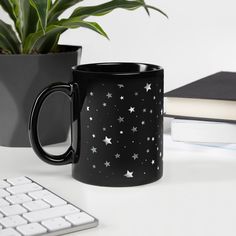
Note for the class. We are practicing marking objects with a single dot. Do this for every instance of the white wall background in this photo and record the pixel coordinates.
(198, 39)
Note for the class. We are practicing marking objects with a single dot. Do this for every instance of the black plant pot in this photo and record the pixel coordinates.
(22, 78)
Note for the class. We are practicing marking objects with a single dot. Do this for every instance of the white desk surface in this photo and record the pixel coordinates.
(196, 196)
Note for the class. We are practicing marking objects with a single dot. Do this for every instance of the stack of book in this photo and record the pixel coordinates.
(204, 111)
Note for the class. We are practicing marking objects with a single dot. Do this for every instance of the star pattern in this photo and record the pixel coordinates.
(107, 140)
(129, 174)
(147, 87)
(132, 109)
(120, 130)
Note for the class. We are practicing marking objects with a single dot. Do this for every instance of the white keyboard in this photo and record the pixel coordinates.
(27, 208)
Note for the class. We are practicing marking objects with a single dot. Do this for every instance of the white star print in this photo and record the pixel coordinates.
(132, 109)
(120, 85)
(148, 87)
(121, 98)
(117, 156)
(121, 132)
(94, 136)
(134, 129)
(135, 156)
(153, 138)
(91, 118)
(136, 93)
(143, 123)
(88, 108)
(151, 111)
(107, 141)
(144, 110)
(94, 166)
(107, 164)
(153, 162)
(104, 129)
(154, 98)
(109, 95)
(104, 104)
(129, 174)
(121, 119)
(148, 138)
(148, 150)
(91, 93)
(94, 150)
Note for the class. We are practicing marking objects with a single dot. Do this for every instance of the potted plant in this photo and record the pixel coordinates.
(30, 59)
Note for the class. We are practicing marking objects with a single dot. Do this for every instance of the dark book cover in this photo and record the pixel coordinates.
(219, 86)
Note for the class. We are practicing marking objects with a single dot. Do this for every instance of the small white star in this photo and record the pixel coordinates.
(129, 174)
(104, 104)
(161, 111)
(117, 156)
(121, 98)
(121, 119)
(143, 122)
(94, 166)
(160, 90)
(120, 85)
(104, 129)
(148, 151)
(160, 154)
(153, 138)
(135, 156)
(134, 129)
(93, 135)
(154, 98)
(144, 110)
(132, 109)
(109, 95)
(88, 108)
(151, 111)
(136, 93)
(107, 164)
(148, 138)
(153, 162)
(91, 118)
(107, 141)
(91, 93)
(148, 87)
(94, 150)
(121, 132)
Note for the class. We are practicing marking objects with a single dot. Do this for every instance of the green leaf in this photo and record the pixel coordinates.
(7, 31)
(7, 7)
(105, 8)
(5, 45)
(36, 42)
(58, 7)
(21, 11)
(42, 8)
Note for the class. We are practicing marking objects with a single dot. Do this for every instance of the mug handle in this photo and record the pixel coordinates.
(71, 91)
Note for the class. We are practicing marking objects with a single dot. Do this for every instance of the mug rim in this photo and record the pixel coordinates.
(152, 68)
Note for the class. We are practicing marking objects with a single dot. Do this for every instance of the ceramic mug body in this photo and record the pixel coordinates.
(117, 124)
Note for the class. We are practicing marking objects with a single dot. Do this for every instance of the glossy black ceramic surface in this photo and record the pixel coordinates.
(117, 124)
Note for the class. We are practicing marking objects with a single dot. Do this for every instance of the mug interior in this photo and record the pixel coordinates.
(117, 68)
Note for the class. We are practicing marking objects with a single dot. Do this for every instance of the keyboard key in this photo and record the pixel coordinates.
(4, 184)
(56, 224)
(50, 213)
(18, 199)
(4, 193)
(13, 210)
(54, 200)
(79, 218)
(39, 194)
(19, 181)
(36, 205)
(4, 202)
(24, 188)
(12, 221)
(9, 232)
(31, 229)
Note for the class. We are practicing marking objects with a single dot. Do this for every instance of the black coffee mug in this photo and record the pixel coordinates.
(117, 124)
